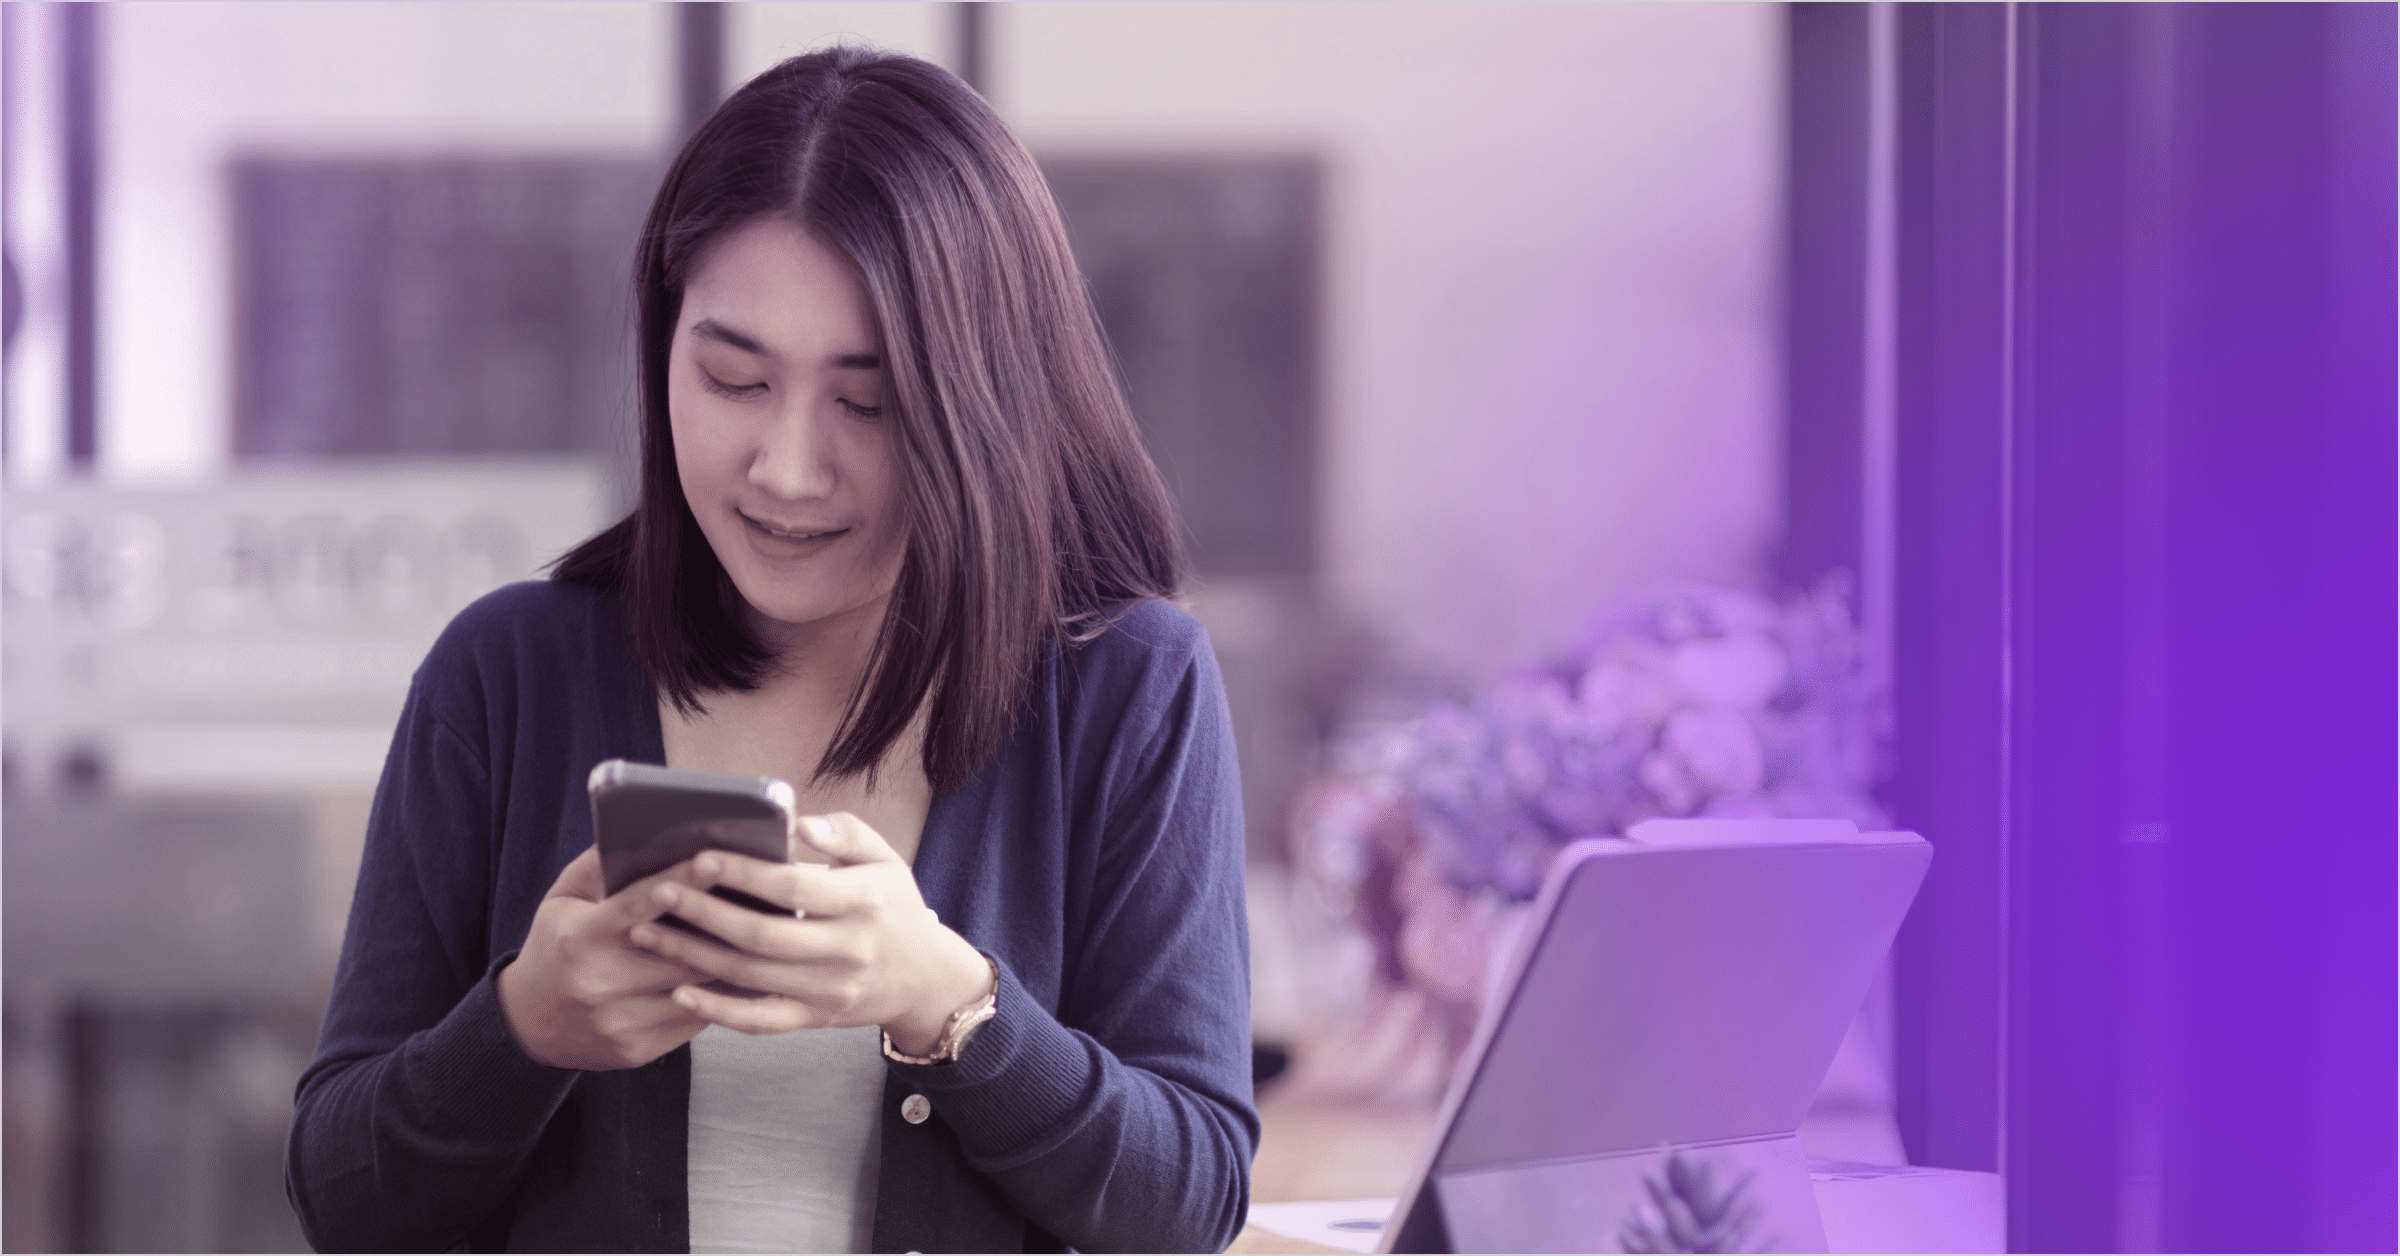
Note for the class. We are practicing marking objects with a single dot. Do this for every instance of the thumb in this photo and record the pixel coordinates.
(581, 878)
(844, 839)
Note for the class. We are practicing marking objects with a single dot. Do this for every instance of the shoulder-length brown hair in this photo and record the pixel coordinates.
(1032, 511)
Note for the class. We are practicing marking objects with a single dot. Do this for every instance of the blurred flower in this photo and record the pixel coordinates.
(1738, 671)
(1691, 701)
(1443, 940)
(1717, 748)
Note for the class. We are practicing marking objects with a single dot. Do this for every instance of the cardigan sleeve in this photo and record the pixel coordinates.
(420, 1113)
(1124, 1122)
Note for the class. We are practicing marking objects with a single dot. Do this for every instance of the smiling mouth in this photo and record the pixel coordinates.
(795, 535)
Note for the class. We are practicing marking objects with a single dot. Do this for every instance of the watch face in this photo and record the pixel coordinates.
(967, 1032)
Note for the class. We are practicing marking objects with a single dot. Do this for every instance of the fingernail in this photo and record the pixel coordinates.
(709, 865)
(644, 935)
(685, 999)
(816, 828)
(664, 896)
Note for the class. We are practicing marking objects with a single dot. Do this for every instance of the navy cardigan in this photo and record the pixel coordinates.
(1097, 857)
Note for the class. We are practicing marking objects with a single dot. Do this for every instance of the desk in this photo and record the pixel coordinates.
(1866, 1208)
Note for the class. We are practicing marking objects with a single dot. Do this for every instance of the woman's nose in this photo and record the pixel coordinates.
(794, 459)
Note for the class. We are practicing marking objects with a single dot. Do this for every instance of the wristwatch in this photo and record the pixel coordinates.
(958, 1031)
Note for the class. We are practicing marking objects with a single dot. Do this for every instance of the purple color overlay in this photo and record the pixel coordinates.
(2145, 633)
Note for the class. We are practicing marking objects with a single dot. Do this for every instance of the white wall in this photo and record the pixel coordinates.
(34, 222)
(1550, 302)
(186, 86)
(759, 35)
(1549, 322)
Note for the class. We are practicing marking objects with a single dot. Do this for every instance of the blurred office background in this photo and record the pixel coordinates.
(1452, 326)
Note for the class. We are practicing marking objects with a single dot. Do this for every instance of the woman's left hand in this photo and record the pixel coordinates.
(866, 950)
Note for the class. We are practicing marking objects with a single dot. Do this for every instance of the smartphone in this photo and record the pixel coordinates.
(648, 818)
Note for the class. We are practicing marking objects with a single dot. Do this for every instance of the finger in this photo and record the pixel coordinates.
(807, 942)
(581, 878)
(751, 875)
(647, 971)
(737, 927)
(676, 946)
(613, 965)
(712, 961)
(808, 889)
(766, 1014)
(638, 903)
(845, 839)
(656, 1022)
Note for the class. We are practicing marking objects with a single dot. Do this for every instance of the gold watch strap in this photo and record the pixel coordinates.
(957, 1030)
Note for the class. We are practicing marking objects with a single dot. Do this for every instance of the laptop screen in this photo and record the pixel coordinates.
(1683, 991)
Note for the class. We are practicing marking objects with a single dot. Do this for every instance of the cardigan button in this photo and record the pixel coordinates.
(915, 1109)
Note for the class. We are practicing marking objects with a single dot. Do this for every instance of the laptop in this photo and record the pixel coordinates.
(1664, 1027)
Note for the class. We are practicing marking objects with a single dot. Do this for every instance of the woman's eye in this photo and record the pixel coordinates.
(723, 389)
(864, 412)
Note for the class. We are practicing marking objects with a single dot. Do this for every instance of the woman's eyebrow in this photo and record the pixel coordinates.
(719, 332)
(714, 330)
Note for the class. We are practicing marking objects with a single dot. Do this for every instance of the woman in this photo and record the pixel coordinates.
(897, 543)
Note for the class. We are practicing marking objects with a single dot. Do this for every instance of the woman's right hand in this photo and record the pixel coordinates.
(579, 994)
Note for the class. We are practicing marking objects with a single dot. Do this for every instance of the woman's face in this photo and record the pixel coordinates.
(775, 397)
